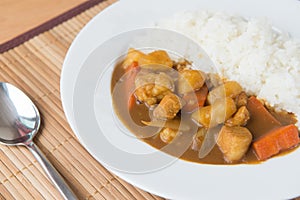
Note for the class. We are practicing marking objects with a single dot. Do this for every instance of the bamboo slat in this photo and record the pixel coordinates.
(35, 67)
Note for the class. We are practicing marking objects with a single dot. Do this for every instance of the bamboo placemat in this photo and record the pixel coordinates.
(35, 67)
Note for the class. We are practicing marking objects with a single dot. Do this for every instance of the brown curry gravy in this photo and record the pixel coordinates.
(132, 121)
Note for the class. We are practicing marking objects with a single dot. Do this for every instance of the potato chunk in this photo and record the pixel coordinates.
(168, 134)
(228, 89)
(159, 57)
(234, 142)
(240, 118)
(190, 80)
(168, 107)
(154, 58)
(132, 56)
(218, 113)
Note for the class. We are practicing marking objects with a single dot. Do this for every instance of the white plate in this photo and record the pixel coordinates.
(275, 179)
(93, 110)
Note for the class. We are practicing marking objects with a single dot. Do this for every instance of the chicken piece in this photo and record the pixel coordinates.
(181, 65)
(218, 113)
(241, 100)
(240, 118)
(152, 87)
(168, 107)
(228, 89)
(168, 134)
(234, 142)
(198, 139)
(190, 80)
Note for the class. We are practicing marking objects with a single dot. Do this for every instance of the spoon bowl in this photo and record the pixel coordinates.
(19, 117)
(19, 123)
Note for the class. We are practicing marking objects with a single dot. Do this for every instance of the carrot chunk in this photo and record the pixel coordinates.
(260, 115)
(131, 72)
(277, 140)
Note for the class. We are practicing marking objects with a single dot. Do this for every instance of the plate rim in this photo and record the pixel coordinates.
(69, 114)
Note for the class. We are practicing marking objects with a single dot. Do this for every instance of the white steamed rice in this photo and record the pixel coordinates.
(265, 62)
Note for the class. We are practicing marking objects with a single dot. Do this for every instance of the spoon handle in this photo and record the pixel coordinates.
(52, 173)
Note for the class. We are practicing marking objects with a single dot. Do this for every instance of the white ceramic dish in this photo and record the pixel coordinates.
(276, 179)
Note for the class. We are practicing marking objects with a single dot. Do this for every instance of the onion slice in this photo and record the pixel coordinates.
(209, 141)
(156, 67)
(174, 124)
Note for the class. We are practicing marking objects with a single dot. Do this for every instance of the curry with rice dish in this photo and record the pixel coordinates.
(170, 102)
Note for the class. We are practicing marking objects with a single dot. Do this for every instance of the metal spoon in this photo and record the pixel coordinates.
(19, 122)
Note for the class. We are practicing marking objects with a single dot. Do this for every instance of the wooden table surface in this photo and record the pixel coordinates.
(19, 16)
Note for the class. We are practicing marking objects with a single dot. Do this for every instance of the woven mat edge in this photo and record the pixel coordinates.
(47, 25)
